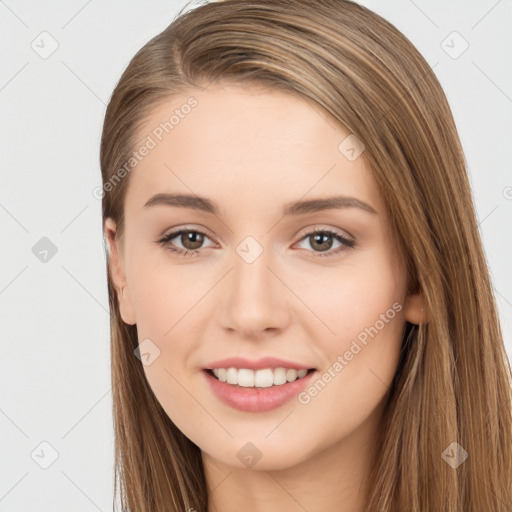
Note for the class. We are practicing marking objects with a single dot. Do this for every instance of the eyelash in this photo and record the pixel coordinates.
(347, 244)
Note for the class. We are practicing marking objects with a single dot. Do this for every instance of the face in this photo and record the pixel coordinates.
(321, 289)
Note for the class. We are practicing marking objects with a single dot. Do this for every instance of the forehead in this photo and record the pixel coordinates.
(243, 143)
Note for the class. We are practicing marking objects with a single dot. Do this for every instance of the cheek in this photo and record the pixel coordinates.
(353, 298)
(363, 310)
(161, 292)
(170, 306)
(169, 311)
(360, 361)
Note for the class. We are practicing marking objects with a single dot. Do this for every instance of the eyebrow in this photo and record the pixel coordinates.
(295, 208)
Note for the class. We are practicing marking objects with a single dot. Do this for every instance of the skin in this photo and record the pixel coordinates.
(252, 151)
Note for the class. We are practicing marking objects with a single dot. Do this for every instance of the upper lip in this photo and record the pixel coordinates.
(258, 364)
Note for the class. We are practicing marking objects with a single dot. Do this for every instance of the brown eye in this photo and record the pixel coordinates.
(321, 241)
(191, 240)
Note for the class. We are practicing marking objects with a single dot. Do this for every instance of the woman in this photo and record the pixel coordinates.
(301, 312)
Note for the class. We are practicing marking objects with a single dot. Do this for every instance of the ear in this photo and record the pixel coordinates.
(415, 310)
(117, 273)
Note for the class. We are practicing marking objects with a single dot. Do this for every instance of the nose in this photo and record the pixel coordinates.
(255, 301)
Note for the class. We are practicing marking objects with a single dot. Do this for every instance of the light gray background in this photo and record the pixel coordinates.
(55, 347)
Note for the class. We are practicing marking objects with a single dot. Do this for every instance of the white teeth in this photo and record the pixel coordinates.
(232, 376)
(260, 378)
(246, 378)
(279, 376)
(291, 375)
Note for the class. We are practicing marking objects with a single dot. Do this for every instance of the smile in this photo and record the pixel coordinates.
(263, 378)
(244, 395)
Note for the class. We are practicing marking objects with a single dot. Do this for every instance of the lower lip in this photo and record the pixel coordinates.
(257, 399)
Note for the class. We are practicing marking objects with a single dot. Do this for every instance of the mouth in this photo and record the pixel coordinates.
(257, 390)
(258, 379)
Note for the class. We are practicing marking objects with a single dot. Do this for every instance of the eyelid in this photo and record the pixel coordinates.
(177, 229)
(321, 228)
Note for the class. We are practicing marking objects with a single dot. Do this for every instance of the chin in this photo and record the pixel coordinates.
(259, 454)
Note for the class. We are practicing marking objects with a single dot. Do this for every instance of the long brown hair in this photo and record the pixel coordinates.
(453, 382)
